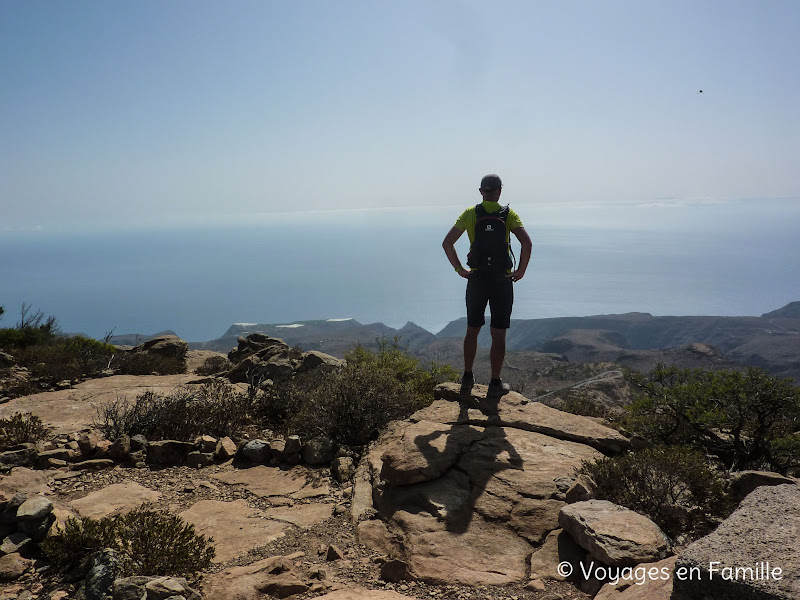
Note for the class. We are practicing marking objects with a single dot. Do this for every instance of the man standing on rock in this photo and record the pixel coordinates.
(490, 276)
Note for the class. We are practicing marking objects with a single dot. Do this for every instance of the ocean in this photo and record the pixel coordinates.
(388, 266)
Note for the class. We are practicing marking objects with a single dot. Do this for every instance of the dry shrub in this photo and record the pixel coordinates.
(21, 428)
(215, 408)
(672, 485)
(214, 365)
(151, 542)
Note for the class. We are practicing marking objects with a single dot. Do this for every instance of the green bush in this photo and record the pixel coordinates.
(674, 486)
(352, 405)
(21, 428)
(215, 408)
(65, 358)
(31, 329)
(584, 406)
(748, 419)
(213, 365)
(144, 363)
(151, 542)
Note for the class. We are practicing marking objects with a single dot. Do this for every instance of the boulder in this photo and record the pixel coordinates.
(314, 359)
(13, 566)
(744, 482)
(168, 452)
(225, 449)
(120, 449)
(138, 442)
(245, 582)
(130, 588)
(17, 542)
(205, 443)
(255, 343)
(198, 460)
(318, 451)
(425, 451)
(103, 570)
(558, 547)
(256, 451)
(88, 441)
(167, 346)
(739, 559)
(21, 457)
(293, 445)
(613, 535)
(652, 581)
(45, 459)
(583, 488)
(343, 468)
(34, 509)
(463, 497)
(376, 536)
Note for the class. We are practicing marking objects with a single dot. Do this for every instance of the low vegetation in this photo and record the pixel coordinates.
(37, 344)
(749, 420)
(353, 405)
(21, 428)
(214, 408)
(214, 365)
(149, 541)
(675, 486)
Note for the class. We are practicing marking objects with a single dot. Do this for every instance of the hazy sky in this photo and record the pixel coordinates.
(116, 112)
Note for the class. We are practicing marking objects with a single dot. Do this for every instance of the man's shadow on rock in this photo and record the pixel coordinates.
(476, 464)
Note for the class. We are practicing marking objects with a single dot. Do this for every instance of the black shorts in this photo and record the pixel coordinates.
(495, 289)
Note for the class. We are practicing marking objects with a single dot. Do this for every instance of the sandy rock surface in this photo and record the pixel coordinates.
(75, 408)
(763, 530)
(467, 488)
(466, 516)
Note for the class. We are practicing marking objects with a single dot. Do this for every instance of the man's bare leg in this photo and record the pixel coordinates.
(470, 347)
(498, 352)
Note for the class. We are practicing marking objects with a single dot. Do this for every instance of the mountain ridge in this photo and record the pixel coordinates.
(770, 341)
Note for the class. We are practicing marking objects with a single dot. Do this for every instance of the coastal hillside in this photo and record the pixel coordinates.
(638, 340)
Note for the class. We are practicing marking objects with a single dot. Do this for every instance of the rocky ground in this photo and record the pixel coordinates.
(253, 513)
(471, 498)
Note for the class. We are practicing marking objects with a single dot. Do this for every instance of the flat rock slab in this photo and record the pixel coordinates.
(22, 479)
(472, 524)
(612, 534)
(514, 410)
(118, 498)
(265, 481)
(426, 450)
(644, 585)
(482, 554)
(301, 515)
(241, 583)
(75, 408)
(235, 527)
(765, 528)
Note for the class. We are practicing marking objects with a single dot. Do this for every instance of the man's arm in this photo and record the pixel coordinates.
(524, 255)
(450, 250)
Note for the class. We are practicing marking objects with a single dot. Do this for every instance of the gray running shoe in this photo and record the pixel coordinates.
(498, 389)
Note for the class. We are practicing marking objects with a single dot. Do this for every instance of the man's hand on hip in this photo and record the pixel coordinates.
(516, 275)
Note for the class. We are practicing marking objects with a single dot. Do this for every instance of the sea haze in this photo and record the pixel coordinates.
(198, 280)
